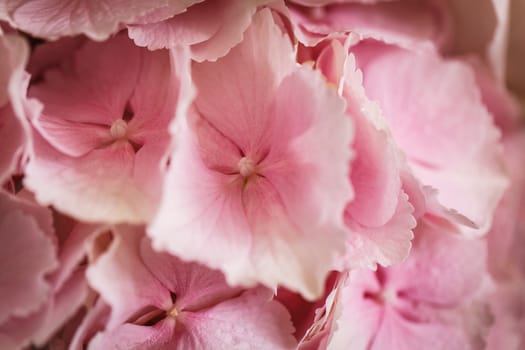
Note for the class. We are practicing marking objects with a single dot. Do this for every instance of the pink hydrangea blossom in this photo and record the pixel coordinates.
(102, 133)
(248, 175)
(161, 302)
(416, 304)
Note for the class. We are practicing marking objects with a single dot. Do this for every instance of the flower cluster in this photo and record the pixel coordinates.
(261, 174)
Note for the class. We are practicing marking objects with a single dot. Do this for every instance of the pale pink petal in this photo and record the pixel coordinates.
(399, 333)
(360, 318)
(375, 174)
(97, 19)
(204, 203)
(461, 163)
(249, 76)
(23, 287)
(210, 28)
(250, 321)
(386, 244)
(122, 279)
(103, 179)
(429, 276)
(380, 216)
(312, 181)
(415, 304)
(129, 336)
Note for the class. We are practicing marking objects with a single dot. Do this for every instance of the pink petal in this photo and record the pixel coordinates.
(102, 178)
(195, 286)
(65, 303)
(122, 279)
(249, 321)
(428, 275)
(398, 333)
(386, 244)
(249, 75)
(94, 321)
(133, 337)
(456, 155)
(210, 28)
(360, 318)
(97, 19)
(24, 288)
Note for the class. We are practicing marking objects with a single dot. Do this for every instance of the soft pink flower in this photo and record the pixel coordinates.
(250, 190)
(101, 138)
(158, 301)
(415, 305)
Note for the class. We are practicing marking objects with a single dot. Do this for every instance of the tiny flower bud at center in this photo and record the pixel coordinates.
(173, 313)
(246, 167)
(118, 129)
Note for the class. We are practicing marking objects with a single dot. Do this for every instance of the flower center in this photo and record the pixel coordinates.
(173, 312)
(246, 166)
(119, 129)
